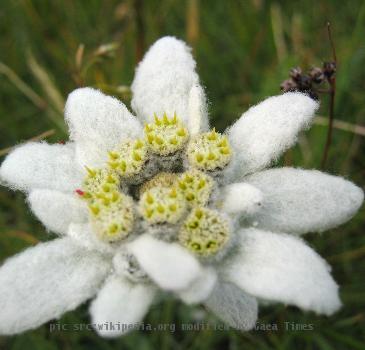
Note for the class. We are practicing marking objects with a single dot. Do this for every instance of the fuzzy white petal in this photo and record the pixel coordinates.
(84, 235)
(56, 210)
(233, 306)
(280, 267)
(119, 305)
(98, 123)
(169, 265)
(197, 111)
(299, 201)
(241, 198)
(266, 130)
(164, 80)
(40, 165)
(45, 281)
(201, 288)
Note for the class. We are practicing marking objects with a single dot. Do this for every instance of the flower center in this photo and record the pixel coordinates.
(111, 211)
(162, 205)
(128, 158)
(162, 179)
(166, 135)
(209, 151)
(100, 184)
(128, 190)
(204, 232)
(114, 221)
(196, 187)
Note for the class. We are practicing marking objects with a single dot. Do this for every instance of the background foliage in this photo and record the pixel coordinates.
(244, 50)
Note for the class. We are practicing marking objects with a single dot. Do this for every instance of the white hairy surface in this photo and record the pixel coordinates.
(233, 306)
(299, 201)
(169, 265)
(282, 268)
(119, 305)
(242, 198)
(44, 282)
(266, 130)
(164, 81)
(40, 165)
(97, 124)
(57, 210)
(201, 288)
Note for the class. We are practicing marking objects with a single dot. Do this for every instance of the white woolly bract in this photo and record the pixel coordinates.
(266, 130)
(198, 114)
(44, 282)
(85, 236)
(164, 79)
(233, 306)
(201, 288)
(282, 268)
(119, 305)
(98, 123)
(169, 265)
(241, 198)
(57, 210)
(300, 201)
(40, 165)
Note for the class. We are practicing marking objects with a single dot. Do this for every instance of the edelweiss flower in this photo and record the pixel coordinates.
(171, 206)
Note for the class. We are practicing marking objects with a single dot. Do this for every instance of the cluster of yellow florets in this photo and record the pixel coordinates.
(209, 151)
(162, 179)
(162, 205)
(111, 211)
(179, 199)
(100, 185)
(166, 136)
(114, 221)
(128, 158)
(168, 196)
(204, 232)
(196, 187)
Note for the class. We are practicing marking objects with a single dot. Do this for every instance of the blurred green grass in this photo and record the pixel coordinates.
(244, 50)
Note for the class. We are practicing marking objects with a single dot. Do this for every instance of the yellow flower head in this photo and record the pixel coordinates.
(128, 158)
(196, 187)
(162, 205)
(166, 135)
(204, 232)
(209, 151)
(113, 221)
(99, 184)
